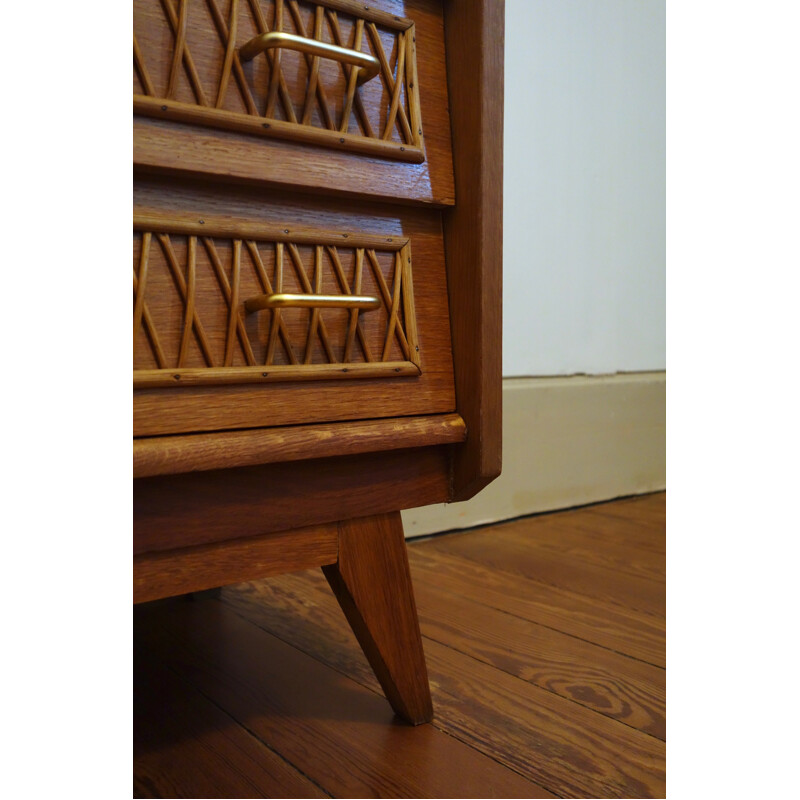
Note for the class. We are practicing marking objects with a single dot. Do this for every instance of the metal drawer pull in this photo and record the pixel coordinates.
(368, 65)
(362, 302)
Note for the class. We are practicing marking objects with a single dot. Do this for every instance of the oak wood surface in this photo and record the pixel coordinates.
(617, 553)
(473, 233)
(574, 709)
(186, 746)
(178, 148)
(634, 521)
(371, 581)
(184, 409)
(610, 683)
(189, 151)
(199, 452)
(568, 609)
(193, 569)
(222, 269)
(210, 47)
(217, 505)
(613, 684)
(196, 530)
(581, 752)
(192, 114)
(281, 374)
(542, 700)
(525, 558)
(340, 735)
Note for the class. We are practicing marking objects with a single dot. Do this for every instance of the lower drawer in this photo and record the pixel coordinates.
(284, 313)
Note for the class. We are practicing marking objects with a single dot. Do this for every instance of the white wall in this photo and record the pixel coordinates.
(584, 262)
(584, 210)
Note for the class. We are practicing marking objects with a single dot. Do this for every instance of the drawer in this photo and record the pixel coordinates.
(338, 75)
(336, 304)
(284, 313)
(269, 90)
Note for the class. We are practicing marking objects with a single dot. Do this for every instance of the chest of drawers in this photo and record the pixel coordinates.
(317, 288)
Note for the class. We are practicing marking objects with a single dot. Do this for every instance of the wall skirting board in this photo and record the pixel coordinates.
(567, 441)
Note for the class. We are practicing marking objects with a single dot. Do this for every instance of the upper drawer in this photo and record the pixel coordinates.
(330, 94)
(299, 71)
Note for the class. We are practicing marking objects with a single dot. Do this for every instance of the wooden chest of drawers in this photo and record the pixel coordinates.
(317, 288)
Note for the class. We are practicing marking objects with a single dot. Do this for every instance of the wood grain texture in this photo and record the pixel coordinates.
(556, 740)
(524, 557)
(185, 746)
(590, 724)
(607, 624)
(218, 505)
(388, 13)
(547, 739)
(636, 520)
(612, 684)
(595, 540)
(190, 409)
(303, 373)
(371, 581)
(181, 149)
(337, 733)
(192, 569)
(169, 455)
(308, 108)
(211, 249)
(473, 233)
(291, 131)
(505, 687)
(203, 224)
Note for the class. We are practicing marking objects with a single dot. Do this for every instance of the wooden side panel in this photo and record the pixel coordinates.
(473, 233)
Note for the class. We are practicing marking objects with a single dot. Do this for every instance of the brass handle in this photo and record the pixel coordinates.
(368, 65)
(311, 301)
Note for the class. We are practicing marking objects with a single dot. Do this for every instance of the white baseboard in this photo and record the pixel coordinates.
(566, 442)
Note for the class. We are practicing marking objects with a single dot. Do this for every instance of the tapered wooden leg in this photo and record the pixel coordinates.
(372, 583)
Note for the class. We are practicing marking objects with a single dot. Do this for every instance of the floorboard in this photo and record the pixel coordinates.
(188, 747)
(339, 734)
(593, 539)
(526, 559)
(544, 639)
(612, 684)
(615, 627)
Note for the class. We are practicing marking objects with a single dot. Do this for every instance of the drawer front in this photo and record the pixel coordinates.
(221, 302)
(337, 74)
(285, 310)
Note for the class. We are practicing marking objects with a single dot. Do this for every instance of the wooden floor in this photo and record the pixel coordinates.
(545, 645)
